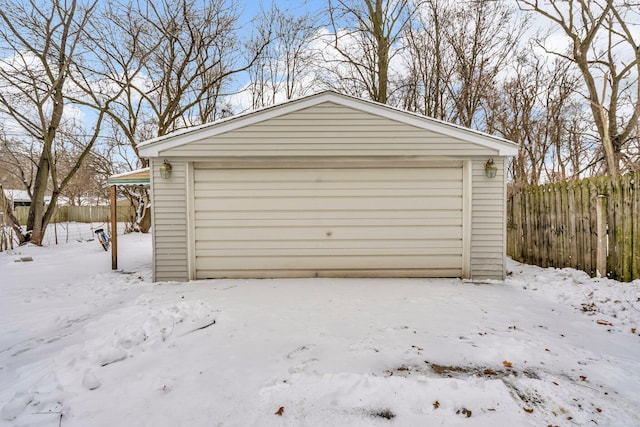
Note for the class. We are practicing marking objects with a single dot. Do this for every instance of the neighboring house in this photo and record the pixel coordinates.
(18, 197)
(328, 186)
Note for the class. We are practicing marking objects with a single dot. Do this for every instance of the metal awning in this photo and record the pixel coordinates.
(132, 178)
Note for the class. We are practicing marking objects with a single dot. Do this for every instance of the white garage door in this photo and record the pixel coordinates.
(351, 222)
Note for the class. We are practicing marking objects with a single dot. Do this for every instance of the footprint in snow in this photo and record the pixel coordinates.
(366, 344)
(300, 349)
(16, 405)
(301, 367)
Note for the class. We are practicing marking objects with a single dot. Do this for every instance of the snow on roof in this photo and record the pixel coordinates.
(17, 195)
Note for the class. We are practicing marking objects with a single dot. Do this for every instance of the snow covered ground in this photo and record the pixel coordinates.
(81, 345)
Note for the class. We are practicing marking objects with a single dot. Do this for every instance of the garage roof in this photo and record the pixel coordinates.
(153, 147)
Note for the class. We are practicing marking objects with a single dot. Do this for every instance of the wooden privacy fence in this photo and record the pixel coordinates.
(591, 225)
(80, 214)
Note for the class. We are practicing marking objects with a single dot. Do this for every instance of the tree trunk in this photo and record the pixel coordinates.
(145, 221)
(607, 145)
(35, 230)
(7, 210)
(383, 53)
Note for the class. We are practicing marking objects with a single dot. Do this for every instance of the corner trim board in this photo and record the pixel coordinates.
(191, 226)
(467, 206)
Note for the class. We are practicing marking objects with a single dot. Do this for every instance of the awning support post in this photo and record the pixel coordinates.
(114, 228)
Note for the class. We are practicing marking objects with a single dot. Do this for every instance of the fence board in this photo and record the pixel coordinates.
(537, 204)
(627, 234)
(612, 257)
(532, 237)
(548, 241)
(80, 214)
(570, 221)
(555, 225)
(590, 215)
(561, 196)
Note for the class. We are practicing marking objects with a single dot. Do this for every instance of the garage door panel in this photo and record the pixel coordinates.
(248, 273)
(376, 222)
(328, 262)
(258, 186)
(335, 233)
(316, 251)
(342, 192)
(365, 175)
(441, 246)
(327, 203)
(382, 214)
(321, 222)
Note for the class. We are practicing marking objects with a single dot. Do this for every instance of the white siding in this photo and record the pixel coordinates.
(365, 222)
(328, 129)
(169, 198)
(488, 222)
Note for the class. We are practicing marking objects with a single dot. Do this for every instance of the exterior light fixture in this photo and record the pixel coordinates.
(165, 170)
(490, 169)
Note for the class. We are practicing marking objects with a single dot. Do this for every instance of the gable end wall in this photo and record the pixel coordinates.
(328, 129)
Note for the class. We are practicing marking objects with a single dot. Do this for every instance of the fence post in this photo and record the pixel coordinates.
(601, 251)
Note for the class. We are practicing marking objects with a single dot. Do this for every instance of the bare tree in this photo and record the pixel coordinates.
(429, 66)
(44, 81)
(455, 55)
(117, 36)
(515, 111)
(536, 108)
(572, 151)
(285, 67)
(483, 36)
(87, 185)
(16, 167)
(604, 46)
(174, 62)
(366, 36)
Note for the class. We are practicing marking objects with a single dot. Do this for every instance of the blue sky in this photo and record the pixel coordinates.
(251, 8)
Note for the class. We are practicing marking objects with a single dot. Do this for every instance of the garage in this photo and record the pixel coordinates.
(318, 222)
(328, 186)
